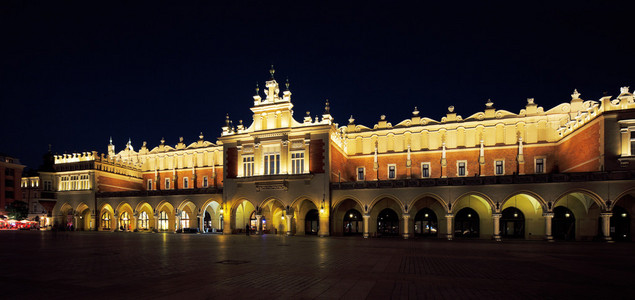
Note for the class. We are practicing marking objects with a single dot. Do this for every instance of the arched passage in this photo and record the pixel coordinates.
(473, 217)
(426, 223)
(66, 220)
(242, 215)
(522, 217)
(187, 216)
(273, 217)
(308, 222)
(106, 218)
(145, 217)
(467, 223)
(342, 221)
(429, 217)
(125, 214)
(512, 223)
(166, 219)
(386, 217)
(585, 209)
(84, 220)
(212, 219)
(622, 225)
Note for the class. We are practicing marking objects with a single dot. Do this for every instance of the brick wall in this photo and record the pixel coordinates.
(232, 162)
(580, 152)
(316, 153)
(106, 183)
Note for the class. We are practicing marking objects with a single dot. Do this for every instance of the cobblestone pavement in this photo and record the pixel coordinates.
(100, 265)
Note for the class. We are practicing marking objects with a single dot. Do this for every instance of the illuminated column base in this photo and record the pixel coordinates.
(450, 224)
(548, 218)
(258, 224)
(324, 225)
(606, 226)
(406, 233)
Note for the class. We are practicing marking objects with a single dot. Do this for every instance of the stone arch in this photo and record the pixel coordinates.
(623, 195)
(191, 211)
(144, 207)
(428, 201)
(336, 204)
(83, 217)
(482, 205)
(436, 197)
(479, 196)
(170, 212)
(586, 207)
(212, 217)
(387, 196)
(298, 201)
(531, 207)
(105, 222)
(302, 206)
(65, 216)
(241, 211)
(339, 213)
(125, 207)
(274, 214)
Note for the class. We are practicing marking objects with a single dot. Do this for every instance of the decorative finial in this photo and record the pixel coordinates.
(327, 107)
(308, 113)
(240, 122)
(451, 109)
(624, 90)
(272, 71)
(227, 120)
(382, 117)
(489, 103)
(111, 140)
(129, 141)
(257, 89)
(287, 83)
(180, 139)
(575, 94)
(144, 144)
(162, 141)
(351, 120)
(415, 112)
(530, 101)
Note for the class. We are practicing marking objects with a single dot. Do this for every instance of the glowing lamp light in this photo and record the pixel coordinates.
(624, 215)
(469, 215)
(515, 215)
(322, 210)
(567, 215)
(426, 215)
(221, 210)
(282, 217)
(350, 216)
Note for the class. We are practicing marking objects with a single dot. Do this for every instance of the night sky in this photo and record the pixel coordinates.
(72, 74)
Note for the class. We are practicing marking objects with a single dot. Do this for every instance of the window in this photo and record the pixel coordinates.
(48, 186)
(540, 165)
(149, 184)
(167, 183)
(84, 182)
(425, 170)
(297, 163)
(361, 171)
(74, 179)
(124, 221)
(185, 220)
(105, 221)
(272, 163)
(461, 168)
(248, 165)
(205, 183)
(500, 168)
(163, 221)
(392, 171)
(64, 185)
(143, 220)
(186, 183)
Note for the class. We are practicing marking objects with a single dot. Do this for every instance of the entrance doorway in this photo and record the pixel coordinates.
(312, 222)
(512, 223)
(467, 223)
(563, 224)
(620, 224)
(388, 223)
(426, 223)
(353, 222)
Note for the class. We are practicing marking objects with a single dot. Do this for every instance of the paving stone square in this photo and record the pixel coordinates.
(100, 265)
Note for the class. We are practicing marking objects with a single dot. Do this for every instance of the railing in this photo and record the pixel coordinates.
(160, 192)
(508, 179)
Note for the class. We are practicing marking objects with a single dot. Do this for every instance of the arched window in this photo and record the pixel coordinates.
(143, 220)
(105, 221)
(163, 221)
(426, 223)
(353, 222)
(512, 223)
(312, 222)
(388, 223)
(124, 221)
(466, 223)
(185, 220)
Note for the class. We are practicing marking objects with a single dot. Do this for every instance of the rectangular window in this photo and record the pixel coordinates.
(186, 183)
(500, 169)
(64, 186)
(272, 163)
(167, 183)
(205, 183)
(425, 170)
(361, 172)
(84, 182)
(48, 185)
(297, 163)
(74, 179)
(248, 166)
(461, 168)
(149, 184)
(392, 171)
(540, 165)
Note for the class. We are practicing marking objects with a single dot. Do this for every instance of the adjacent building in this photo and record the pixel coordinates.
(10, 179)
(567, 172)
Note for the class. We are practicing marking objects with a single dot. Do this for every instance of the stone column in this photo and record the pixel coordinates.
(93, 221)
(258, 224)
(324, 223)
(75, 222)
(450, 224)
(227, 225)
(116, 221)
(406, 229)
(606, 225)
(177, 220)
(135, 221)
(201, 222)
(366, 220)
(289, 224)
(156, 222)
(548, 218)
(496, 218)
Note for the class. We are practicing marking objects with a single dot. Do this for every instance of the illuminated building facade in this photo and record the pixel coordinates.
(10, 179)
(562, 173)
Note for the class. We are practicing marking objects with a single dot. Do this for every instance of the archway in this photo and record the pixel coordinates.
(213, 219)
(584, 211)
(563, 224)
(125, 217)
(426, 223)
(312, 222)
(66, 219)
(242, 214)
(188, 216)
(84, 222)
(467, 223)
(512, 223)
(388, 223)
(353, 223)
(106, 218)
(145, 217)
(273, 217)
(341, 215)
(166, 217)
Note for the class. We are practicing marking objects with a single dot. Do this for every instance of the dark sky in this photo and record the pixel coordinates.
(72, 74)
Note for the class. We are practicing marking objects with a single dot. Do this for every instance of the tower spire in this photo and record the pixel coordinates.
(271, 71)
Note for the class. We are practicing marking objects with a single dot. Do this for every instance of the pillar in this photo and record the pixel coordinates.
(156, 222)
(75, 222)
(497, 230)
(289, 224)
(116, 221)
(449, 218)
(258, 224)
(548, 218)
(324, 224)
(93, 222)
(406, 228)
(201, 221)
(606, 225)
(135, 222)
(177, 220)
(227, 225)
(366, 220)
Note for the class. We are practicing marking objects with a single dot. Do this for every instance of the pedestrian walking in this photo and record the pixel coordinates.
(247, 229)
